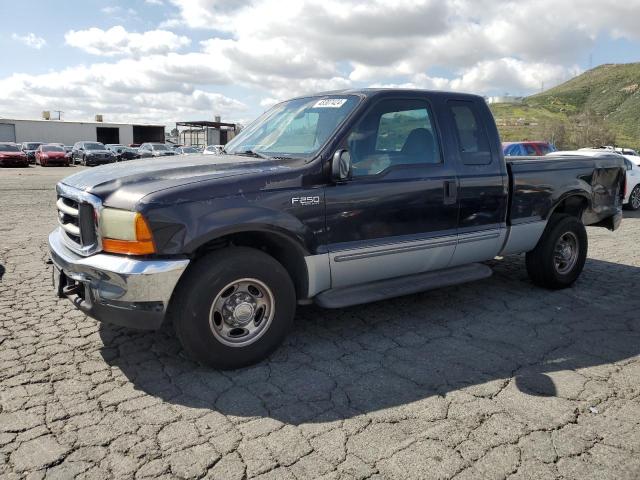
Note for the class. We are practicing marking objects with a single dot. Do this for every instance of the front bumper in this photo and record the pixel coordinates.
(14, 162)
(115, 288)
(99, 161)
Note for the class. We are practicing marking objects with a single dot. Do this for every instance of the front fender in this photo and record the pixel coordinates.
(183, 228)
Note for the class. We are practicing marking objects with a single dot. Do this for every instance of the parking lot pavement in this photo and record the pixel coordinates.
(493, 379)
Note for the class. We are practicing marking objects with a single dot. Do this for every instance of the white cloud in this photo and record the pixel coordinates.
(117, 41)
(274, 49)
(151, 89)
(30, 40)
(378, 40)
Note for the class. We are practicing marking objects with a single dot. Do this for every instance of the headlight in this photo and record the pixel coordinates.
(125, 232)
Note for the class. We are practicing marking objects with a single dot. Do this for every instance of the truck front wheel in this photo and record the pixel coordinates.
(559, 257)
(234, 307)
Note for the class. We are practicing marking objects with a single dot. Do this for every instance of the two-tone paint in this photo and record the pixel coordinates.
(408, 219)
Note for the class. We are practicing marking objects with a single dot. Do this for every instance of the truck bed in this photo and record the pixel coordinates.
(536, 184)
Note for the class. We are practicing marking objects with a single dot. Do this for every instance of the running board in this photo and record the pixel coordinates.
(396, 287)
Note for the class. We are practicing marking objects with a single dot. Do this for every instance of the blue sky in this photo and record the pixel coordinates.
(169, 60)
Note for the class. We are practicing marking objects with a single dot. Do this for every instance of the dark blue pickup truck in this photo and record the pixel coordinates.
(338, 198)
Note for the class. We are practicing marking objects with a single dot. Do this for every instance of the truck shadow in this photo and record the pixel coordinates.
(501, 336)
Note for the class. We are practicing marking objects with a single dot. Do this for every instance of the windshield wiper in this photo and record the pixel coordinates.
(253, 153)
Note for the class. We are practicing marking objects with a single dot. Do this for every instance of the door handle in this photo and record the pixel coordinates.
(450, 192)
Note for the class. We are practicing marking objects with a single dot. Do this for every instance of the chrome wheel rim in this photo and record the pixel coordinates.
(242, 312)
(635, 198)
(566, 253)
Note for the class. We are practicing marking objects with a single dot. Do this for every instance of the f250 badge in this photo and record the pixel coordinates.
(304, 201)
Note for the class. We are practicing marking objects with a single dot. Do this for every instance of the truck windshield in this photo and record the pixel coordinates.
(296, 128)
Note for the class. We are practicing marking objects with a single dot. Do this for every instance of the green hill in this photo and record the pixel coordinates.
(601, 106)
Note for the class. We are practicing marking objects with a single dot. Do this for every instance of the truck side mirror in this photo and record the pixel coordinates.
(341, 166)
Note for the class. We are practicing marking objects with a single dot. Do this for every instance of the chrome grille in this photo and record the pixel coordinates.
(68, 218)
(77, 213)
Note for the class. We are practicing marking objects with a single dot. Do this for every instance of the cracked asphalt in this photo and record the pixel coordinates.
(494, 379)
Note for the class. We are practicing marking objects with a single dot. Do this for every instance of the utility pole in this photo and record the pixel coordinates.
(59, 112)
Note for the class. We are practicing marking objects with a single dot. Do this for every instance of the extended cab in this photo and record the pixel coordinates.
(339, 199)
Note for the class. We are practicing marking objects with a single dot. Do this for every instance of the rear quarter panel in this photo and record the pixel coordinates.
(539, 185)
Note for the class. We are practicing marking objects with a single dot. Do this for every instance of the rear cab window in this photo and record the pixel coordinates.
(471, 136)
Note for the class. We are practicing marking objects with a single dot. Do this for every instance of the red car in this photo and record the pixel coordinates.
(527, 149)
(12, 156)
(47, 155)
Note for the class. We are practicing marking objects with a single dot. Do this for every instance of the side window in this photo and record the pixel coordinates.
(530, 150)
(393, 133)
(473, 142)
(546, 149)
(512, 151)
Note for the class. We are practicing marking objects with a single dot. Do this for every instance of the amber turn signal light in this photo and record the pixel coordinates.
(142, 245)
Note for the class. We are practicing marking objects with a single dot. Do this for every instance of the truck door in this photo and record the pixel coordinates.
(398, 213)
(482, 177)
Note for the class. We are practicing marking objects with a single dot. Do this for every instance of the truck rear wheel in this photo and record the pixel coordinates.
(559, 257)
(234, 307)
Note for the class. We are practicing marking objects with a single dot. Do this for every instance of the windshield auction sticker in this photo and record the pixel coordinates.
(330, 103)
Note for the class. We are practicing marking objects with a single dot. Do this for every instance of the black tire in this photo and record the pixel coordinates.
(634, 199)
(544, 269)
(192, 306)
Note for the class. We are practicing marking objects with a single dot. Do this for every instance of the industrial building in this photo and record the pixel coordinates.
(204, 132)
(59, 131)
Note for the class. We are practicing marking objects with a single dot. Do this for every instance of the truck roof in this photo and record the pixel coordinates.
(374, 92)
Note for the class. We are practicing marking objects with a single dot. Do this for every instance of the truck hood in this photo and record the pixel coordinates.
(123, 185)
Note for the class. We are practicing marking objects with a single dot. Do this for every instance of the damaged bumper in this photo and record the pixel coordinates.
(113, 288)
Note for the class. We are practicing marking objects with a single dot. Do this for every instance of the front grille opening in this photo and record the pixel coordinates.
(77, 221)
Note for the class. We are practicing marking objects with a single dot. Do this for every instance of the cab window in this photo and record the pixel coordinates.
(393, 133)
(473, 143)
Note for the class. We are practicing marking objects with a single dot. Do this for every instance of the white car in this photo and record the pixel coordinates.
(213, 150)
(632, 188)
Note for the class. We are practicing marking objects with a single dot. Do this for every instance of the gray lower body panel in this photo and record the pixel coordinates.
(395, 287)
(355, 266)
(523, 237)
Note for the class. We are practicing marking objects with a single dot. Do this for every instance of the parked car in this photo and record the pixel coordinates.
(352, 197)
(632, 186)
(147, 150)
(50, 154)
(527, 149)
(92, 153)
(12, 156)
(622, 150)
(125, 153)
(628, 151)
(213, 150)
(112, 146)
(29, 148)
(187, 151)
